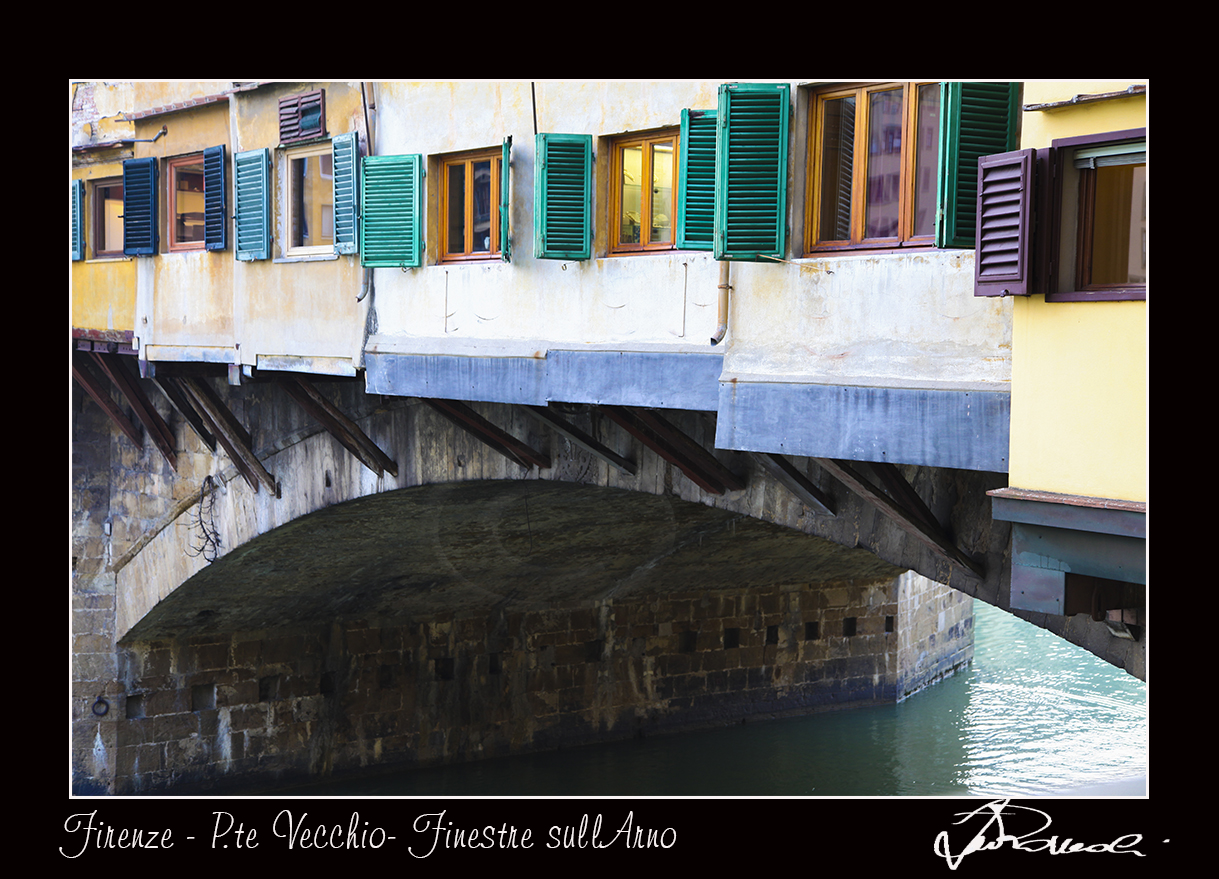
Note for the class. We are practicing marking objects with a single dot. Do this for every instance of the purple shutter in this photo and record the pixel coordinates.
(1003, 259)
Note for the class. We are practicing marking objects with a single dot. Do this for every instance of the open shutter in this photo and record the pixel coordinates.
(562, 213)
(391, 216)
(696, 181)
(1003, 261)
(976, 119)
(78, 219)
(345, 149)
(751, 170)
(140, 207)
(215, 223)
(252, 192)
(505, 204)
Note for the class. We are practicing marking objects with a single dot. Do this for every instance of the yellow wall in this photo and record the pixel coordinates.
(1079, 369)
(103, 290)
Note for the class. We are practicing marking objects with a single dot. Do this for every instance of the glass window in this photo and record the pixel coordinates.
(470, 205)
(310, 200)
(186, 205)
(644, 178)
(108, 218)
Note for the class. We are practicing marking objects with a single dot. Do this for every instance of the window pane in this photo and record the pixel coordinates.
(312, 203)
(188, 203)
(837, 169)
(481, 233)
(881, 217)
(1118, 252)
(457, 208)
(632, 207)
(926, 159)
(662, 193)
(109, 219)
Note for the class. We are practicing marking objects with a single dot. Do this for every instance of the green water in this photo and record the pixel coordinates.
(1033, 715)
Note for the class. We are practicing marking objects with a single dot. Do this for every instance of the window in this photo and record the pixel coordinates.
(185, 202)
(874, 163)
(642, 201)
(309, 200)
(302, 117)
(469, 205)
(106, 218)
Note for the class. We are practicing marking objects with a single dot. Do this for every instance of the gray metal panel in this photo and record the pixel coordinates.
(938, 428)
(1079, 552)
(1038, 589)
(664, 380)
(1126, 523)
(450, 377)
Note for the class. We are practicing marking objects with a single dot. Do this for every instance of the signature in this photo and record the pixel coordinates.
(1032, 822)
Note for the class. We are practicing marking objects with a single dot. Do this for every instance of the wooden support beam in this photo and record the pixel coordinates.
(581, 439)
(232, 435)
(154, 424)
(912, 524)
(789, 476)
(500, 440)
(904, 494)
(101, 395)
(702, 467)
(339, 425)
(168, 385)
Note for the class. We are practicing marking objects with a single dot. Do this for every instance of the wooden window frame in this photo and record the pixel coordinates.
(617, 147)
(495, 156)
(97, 217)
(1072, 213)
(172, 169)
(907, 174)
(310, 151)
(290, 117)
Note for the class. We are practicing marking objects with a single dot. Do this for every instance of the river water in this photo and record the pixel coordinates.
(1033, 715)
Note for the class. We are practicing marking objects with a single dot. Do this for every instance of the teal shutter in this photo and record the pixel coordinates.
(562, 210)
(751, 171)
(252, 193)
(78, 219)
(696, 181)
(215, 223)
(505, 204)
(345, 149)
(391, 216)
(976, 119)
(140, 207)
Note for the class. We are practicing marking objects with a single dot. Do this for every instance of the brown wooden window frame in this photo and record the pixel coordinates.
(467, 160)
(617, 148)
(97, 218)
(905, 237)
(173, 169)
(1073, 218)
(290, 117)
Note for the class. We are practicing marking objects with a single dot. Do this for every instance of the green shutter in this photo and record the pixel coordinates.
(252, 194)
(391, 217)
(751, 171)
(976, 119)
(215, 223)
(140, 207)
(78, 219)
(345, 149)
(562, 212)
(505, 204)
(696, 181)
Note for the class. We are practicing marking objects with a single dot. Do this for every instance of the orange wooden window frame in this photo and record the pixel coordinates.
(172, 167)
(468, 160)
(668, 135)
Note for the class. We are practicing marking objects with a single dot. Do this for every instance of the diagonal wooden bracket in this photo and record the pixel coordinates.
(910, 522)
(789, 476)
(702, 467)
(500, 440)
(580, 438)
(904, 494)
(101, 395)
(168, 385)
(339, 425)
(232, 435)
(145, 412)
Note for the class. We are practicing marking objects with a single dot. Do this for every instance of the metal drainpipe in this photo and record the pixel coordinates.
(723, 288)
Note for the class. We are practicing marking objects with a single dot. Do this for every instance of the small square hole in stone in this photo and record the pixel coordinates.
(135, 706)
(327, 686)
(202, 697)
(772, 634)
(689, 641)
(268, 688)
(848, 626)
(494, 665)
(812, 630)
(592, 650)
(732, 638)
(445, 669)
(888, 624)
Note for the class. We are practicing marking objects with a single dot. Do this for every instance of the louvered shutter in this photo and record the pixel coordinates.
(751, 170)
(505, 204)
(391, 215)
(215, 221)
(140, 207)
(302, 117)
(78, 219)
(562, 212)
(1003, 260)
(696, 181)
(976, 119)
(252, 193)
(345, 149)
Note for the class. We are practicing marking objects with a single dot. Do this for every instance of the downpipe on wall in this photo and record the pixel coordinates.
(723, 288)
